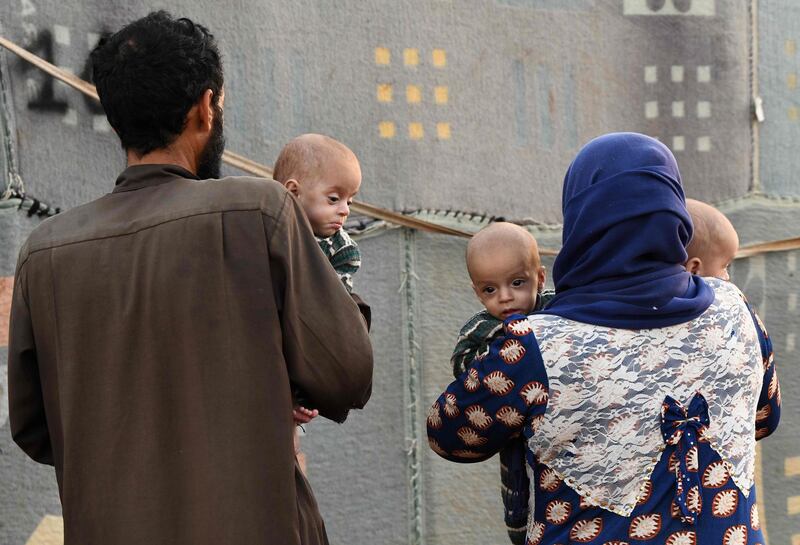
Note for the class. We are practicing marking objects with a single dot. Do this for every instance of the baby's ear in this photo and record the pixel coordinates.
(693, 265)
(293, 186)
(542, 276)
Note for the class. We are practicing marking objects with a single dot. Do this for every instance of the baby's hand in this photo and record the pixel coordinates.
(304, 416)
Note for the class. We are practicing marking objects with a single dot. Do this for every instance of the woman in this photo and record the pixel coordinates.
(640, 386)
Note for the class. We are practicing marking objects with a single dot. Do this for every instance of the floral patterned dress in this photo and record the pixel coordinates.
(633, 436)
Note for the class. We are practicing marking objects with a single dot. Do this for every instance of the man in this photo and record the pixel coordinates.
(158, 333)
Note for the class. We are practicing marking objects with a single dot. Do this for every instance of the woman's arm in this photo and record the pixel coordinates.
(769, 403)
(493, 400)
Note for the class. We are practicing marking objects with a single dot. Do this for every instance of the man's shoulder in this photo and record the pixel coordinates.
(56, 226)
(246, 183)
(233, 191)
(104, 216)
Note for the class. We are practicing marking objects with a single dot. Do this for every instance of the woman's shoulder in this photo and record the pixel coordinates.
(728, 298)
(724, 286)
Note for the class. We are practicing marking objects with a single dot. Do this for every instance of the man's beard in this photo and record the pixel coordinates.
(210, 163)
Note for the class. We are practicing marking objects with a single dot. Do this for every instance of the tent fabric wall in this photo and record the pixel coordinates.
(470, 105)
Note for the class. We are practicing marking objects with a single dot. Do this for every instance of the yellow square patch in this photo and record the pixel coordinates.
(386, 129)
(413, 94)
(411, 57)
(439, 58)
(382, 56)
(384, 92)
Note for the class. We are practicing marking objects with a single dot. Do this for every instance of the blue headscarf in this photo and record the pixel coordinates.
(626, 228)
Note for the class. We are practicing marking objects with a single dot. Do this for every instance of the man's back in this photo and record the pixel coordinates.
(159, 328)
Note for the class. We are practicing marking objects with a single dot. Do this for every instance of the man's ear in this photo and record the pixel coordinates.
(205, 110)
(693, 265)
(293, 186)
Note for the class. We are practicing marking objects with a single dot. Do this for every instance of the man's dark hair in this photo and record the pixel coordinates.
(151, 73)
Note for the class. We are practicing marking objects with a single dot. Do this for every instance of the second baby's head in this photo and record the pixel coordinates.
(324, 175)
(506, 271)
(714, 243)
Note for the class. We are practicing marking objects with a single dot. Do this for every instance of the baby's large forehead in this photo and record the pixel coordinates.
(713, 231)
(310, 157)
(331, 160)
(502, 241)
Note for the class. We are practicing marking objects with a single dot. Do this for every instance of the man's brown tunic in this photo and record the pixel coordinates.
(157, 334)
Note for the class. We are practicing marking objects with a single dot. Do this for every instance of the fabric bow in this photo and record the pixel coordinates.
(681, 427)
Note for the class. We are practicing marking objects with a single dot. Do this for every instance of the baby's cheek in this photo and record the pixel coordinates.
(316, 219)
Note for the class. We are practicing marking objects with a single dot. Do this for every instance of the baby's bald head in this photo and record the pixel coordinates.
(505, 237)
(307, 157)
(714, 243)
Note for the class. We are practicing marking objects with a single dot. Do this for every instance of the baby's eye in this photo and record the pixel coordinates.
(518, 282)
(488, 290)
(333, 199)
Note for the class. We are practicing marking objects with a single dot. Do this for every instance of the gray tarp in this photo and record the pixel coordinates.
(469, 105)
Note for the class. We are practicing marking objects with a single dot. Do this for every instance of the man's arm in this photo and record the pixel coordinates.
(492, 401)
(325, 341)
(25, 398)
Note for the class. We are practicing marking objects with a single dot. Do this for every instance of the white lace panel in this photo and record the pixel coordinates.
(602, 429)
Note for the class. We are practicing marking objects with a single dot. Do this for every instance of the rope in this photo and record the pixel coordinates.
(32, 206)
(252, 167)
(757, 109)
(13, 181)
(413, 433)
(784, 245)
(14, 193)
(229, 157)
